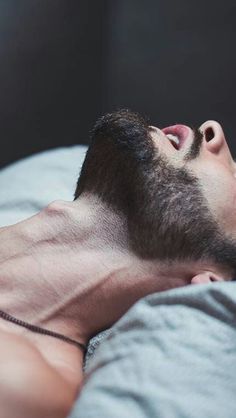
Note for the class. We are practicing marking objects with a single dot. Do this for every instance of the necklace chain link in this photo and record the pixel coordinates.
(39, 330)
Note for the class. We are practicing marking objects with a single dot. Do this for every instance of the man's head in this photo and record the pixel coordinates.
(179, 204)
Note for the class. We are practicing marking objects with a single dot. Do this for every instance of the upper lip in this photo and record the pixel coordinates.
(181, 131)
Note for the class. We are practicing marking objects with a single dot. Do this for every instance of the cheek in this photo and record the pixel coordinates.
(232, 198)
(228, 208)
(220, 193)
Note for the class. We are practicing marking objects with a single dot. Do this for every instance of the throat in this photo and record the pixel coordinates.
(53, 263)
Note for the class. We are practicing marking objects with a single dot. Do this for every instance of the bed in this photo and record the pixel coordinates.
(172, 355)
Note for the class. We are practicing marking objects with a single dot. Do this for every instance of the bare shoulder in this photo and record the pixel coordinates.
(29, 386)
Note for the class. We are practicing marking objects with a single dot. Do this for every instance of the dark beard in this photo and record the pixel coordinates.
(167, 215)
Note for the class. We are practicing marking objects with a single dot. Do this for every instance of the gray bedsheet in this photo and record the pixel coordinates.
(172, 355)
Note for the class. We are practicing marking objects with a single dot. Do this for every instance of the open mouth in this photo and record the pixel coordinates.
(177, 135)
(175, 141)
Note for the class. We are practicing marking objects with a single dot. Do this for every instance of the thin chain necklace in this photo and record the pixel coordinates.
(40, 330)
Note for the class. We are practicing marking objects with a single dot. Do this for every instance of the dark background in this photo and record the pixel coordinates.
(64, 63)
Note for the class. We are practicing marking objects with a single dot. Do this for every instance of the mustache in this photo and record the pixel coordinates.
(195, 146)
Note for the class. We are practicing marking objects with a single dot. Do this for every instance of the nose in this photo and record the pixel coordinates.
(215, 141)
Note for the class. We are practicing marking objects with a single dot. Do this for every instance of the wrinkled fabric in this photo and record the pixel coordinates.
(30, 184)
(172, 355)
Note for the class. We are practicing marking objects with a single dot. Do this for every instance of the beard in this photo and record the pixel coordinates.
(167, 215)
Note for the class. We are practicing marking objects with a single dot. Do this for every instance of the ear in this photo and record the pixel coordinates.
(206, 277)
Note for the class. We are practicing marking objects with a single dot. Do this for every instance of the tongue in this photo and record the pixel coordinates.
(179, 130)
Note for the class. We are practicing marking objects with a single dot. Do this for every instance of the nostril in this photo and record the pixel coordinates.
(209, 134)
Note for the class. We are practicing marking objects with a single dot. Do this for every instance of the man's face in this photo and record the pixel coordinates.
(204, 153)
(179, 200)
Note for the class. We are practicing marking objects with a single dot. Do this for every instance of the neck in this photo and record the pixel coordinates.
(57, 267)
(69, 269)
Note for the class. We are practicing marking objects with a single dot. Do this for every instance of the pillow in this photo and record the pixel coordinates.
(172, 355)
(32, 183)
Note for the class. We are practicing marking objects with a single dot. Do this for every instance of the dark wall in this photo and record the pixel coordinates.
(174, 60)
(64, 63)
(51, 55)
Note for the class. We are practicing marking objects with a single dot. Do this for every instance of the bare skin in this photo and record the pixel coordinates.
(69, 269)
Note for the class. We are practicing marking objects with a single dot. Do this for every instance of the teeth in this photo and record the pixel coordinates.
(173, 138)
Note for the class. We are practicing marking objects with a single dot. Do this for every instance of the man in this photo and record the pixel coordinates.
(153, 210)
